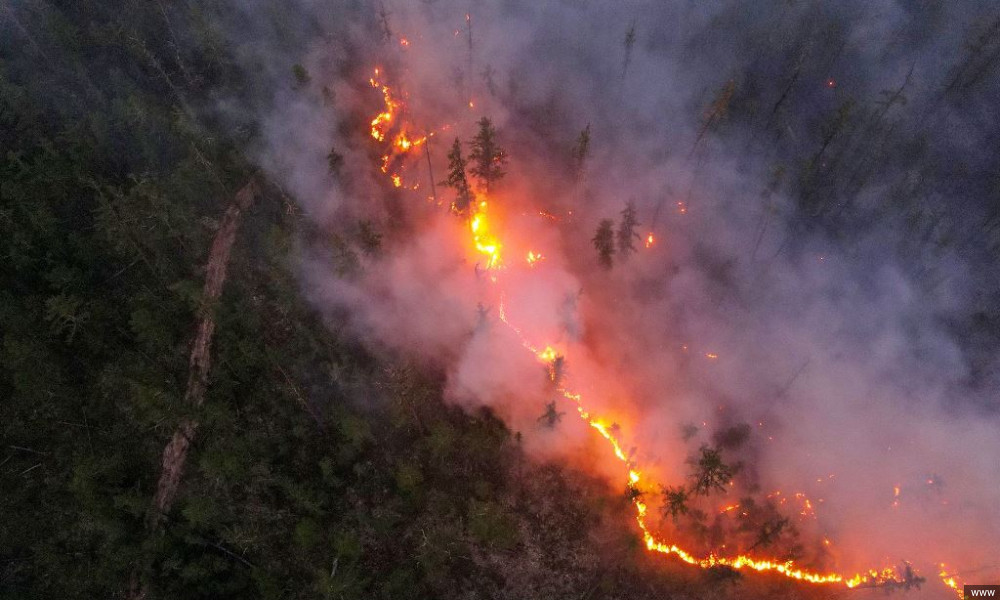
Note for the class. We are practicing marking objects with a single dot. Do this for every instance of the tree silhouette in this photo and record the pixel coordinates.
(711, 473)
(675, 501)
(457, 179)
(629, 43)
(604, 243)
(488, 158)
(551, 417)
(626, 231)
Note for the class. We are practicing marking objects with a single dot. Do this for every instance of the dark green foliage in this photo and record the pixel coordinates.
(604, 243)
(457, 179)
(488, 158)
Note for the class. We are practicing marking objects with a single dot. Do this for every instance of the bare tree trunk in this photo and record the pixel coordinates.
(176, 452)
(430, 168)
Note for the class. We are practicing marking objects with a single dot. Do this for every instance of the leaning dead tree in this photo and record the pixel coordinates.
(176, 452)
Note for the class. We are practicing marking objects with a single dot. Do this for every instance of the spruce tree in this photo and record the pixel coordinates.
(488, 158)
(457, 179)
(604, 243)
(626, 231)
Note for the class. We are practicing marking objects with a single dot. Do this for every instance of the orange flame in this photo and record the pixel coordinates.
(483, 240)
(487, 243)
(383, 119)
(951, 581)
(634, 477)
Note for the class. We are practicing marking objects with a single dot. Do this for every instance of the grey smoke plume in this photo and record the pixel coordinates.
(820, 181)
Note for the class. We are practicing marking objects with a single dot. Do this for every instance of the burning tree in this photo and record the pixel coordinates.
(488, 158)
(557, 369)
(604, 243)
(457, 179)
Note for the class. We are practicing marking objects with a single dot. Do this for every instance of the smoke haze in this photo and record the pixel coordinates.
(818, 179)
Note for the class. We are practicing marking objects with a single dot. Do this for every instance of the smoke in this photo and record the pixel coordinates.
(816, 178)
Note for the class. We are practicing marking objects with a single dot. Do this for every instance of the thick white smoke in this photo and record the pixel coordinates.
(835, 352)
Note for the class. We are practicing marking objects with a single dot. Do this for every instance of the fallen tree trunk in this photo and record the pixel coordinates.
(176, 452)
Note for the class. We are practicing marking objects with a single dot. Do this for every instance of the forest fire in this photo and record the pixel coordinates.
(486, 242)
(578, 300)
(483, 240)
(634, 478)
(383, 120)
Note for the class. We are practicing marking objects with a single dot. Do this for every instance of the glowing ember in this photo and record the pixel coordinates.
(534, 257)
(650, 240)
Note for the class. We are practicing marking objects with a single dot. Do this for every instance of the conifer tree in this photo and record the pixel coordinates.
(488, 158)
(604, 243)
(626, 231)
(457, 179)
